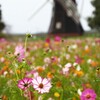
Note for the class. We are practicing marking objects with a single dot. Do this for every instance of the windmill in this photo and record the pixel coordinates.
(65, 17)
(2, 25)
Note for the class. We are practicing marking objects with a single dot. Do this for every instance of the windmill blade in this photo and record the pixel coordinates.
(70, 9)
(38, 10)
(82, 7)
(51, 2)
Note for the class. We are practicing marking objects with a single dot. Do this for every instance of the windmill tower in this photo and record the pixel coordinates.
(65, 18)
(2, 25)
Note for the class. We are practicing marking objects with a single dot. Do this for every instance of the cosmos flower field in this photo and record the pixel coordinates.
(50, 69)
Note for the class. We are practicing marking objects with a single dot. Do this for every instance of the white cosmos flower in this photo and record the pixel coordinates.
(89, 61)
(79, 91)
(47, 60)
(2, 59)
(68, 65)
(67, 56)
(75, 64)
(74, 46)
(42, 85)
(66, 68)
(78, 68)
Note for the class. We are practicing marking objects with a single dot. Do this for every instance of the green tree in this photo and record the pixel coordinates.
(94, 22)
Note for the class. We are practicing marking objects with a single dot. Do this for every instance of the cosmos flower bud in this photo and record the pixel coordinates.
(29, 35)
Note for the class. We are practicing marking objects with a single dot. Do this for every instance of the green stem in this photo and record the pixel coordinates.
(16, 75)
(62, 94)
(15, 70)
(21, 92)
(26, 44)
(61, 98)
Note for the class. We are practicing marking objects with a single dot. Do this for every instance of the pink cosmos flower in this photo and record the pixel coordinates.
(32, 73)
(2, 40)
(47, 60)
(78, 59)
(20, 53)
(88, 94)
(25, 83)
(55, 59)
(97, 41)
(57, 39)
(42, 85)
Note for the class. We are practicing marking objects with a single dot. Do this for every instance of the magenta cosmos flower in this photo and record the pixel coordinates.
(88, 94)
(25, 83)
(20, 53)
(47, 40)
(57, 39)
(42, 85)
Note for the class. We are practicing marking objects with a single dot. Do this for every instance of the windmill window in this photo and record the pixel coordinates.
(58, 25)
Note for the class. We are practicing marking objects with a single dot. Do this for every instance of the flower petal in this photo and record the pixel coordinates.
(39, 79)
(45, 81)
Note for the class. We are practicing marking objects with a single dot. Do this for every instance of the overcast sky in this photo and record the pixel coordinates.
(17, 12)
